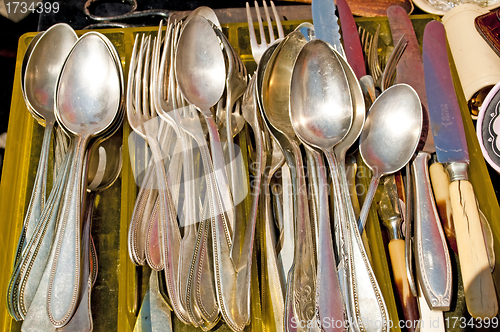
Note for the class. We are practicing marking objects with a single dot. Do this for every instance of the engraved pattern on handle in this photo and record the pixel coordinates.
(433, 259)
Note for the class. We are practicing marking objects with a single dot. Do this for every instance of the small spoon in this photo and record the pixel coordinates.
(390, 137)
(88, 103)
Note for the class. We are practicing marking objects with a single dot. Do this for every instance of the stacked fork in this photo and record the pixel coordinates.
(206, 204)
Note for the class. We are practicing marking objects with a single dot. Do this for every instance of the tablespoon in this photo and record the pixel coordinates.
(42, 70)
(390, 137)
(88, 102)
(321, 114)
(301, 286)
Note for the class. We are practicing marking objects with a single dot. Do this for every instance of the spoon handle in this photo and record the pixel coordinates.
(28, 272)
(366, 298)
(329, 300)
(201, 292)
(363, 216)
(301, 287)
(37, 200)
(65, 276)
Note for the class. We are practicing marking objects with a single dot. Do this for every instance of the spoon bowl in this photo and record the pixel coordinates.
(390, 136)
(201, 75)
(392, 130)
(321, 107)
(94, 110)
(43, 67)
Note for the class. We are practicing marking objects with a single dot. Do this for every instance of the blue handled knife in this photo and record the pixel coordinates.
(451, 149)
(325, 23)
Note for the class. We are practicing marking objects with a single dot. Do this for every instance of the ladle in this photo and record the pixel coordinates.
(88, 103)
(390, 137)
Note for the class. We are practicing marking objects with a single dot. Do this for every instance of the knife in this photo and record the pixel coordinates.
(431, 251)
(451, 150)
(350, 36)
(325, 23)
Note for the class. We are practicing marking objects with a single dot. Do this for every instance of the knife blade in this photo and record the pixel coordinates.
(325, 23)
(451, 149)
(433, 259)
(350, 37)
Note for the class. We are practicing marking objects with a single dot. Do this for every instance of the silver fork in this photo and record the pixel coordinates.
(390, 69)
(373, 59)
(258, 49)
(143, 119)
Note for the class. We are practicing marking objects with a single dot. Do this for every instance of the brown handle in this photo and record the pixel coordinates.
(408, 301)
(440, 186)
(480, 295)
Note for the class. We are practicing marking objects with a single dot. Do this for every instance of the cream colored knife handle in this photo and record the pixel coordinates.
(440, 187)
(432, 256)
(480, 295)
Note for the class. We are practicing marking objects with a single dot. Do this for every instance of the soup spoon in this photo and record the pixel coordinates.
(42, 70)
(88, 104)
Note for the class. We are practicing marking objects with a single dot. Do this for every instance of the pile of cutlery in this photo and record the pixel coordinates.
(56, 263)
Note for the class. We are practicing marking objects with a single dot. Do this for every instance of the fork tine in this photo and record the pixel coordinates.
(251, 29)
(138, 75)
(131, 77)
(279, 27)
(145, 78)
(269, 23)
(261, 26)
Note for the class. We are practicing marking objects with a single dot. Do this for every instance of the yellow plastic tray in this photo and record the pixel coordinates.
(113, 304)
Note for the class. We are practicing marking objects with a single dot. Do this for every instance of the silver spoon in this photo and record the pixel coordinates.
(88, 102)
(275, 111)
(390, 137)
(201, 71)
(105, 166)
(42, 70)
(321, 115)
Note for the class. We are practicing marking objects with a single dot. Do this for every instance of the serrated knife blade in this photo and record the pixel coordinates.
(451, 149)
(325, 23)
